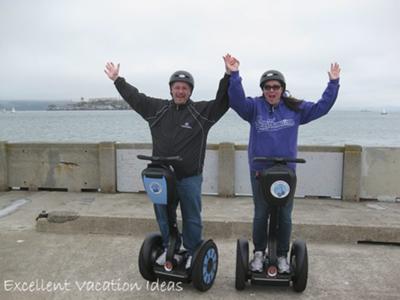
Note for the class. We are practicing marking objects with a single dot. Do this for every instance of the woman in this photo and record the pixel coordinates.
(274, 119)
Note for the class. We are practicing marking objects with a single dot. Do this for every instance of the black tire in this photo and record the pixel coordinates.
(150, 249)
(205, 266)
(299, 264)
(242, 263)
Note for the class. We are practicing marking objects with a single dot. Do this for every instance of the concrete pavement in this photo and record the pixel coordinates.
(132, 213)
(84, 266)
(77, 265)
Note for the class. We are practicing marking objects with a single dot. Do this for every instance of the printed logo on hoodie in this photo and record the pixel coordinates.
(272, 125)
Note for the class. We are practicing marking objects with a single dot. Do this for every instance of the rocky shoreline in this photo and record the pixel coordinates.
(92, 104)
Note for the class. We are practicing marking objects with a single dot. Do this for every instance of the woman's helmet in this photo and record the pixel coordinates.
(273, 75)
(183, 76)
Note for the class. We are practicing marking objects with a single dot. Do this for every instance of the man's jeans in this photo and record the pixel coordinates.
(189, 196)
(261, 212)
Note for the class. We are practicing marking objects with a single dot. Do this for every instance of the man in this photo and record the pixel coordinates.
(178, 127)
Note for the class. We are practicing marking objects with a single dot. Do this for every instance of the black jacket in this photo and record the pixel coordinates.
(178, 129)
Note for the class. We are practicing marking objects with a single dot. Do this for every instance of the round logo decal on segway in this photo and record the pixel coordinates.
(280, 189)
(155, 187)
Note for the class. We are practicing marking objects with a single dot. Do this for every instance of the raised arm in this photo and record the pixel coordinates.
(215, 109)
(142, 104)
(311, 111)
(237, 97)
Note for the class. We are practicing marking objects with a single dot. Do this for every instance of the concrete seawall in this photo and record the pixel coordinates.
(350, 172)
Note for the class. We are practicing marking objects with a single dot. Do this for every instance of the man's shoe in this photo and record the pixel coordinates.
(257, 264)
(161, 259)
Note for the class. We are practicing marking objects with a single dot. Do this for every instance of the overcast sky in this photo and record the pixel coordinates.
(56, 50)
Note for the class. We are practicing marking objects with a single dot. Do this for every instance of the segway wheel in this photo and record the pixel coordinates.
(150, 249)
(242, 263)
(299, 264)
(205, 266)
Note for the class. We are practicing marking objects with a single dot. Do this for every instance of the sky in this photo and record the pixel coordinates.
(56, 50)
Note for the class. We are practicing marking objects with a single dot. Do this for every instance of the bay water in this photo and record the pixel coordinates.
(364, 128)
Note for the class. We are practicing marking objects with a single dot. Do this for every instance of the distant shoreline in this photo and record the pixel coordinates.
(92, 104)
(118, 104)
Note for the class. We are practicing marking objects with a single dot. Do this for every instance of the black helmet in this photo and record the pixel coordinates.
(183, 76)
(273, 75)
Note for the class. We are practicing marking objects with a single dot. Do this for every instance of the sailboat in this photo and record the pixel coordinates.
(383, 111)
(13, 110)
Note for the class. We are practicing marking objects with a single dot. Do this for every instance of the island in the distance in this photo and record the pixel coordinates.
(92, 104)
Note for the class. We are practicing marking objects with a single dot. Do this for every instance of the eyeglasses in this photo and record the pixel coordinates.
(274, 87)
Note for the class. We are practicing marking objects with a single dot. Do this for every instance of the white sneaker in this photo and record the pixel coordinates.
(188, 262)
(283, 265)
(161, 259)
(257, 263)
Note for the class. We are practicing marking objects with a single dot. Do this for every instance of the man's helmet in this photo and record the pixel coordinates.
(273, 75)
(182, 76)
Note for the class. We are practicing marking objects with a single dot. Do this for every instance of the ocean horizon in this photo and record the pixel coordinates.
(339, 127)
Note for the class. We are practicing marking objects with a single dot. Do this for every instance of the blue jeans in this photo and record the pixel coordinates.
(261, 212)
(189, 196)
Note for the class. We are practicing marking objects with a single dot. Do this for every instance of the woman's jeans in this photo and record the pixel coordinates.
(261, 212)
(189, 196)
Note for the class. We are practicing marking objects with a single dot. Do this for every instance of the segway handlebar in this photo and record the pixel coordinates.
(280, 160)
(160, 158)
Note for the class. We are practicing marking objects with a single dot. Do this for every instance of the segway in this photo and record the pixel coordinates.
(278, 186)
(160, 184)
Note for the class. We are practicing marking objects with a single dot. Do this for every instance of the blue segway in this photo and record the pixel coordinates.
(278, 185)
(160, 184)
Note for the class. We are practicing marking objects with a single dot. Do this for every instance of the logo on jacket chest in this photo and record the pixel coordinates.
(272, 124)
(186, 125)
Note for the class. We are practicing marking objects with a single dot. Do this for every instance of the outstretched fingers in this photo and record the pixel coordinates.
(226, 58)
(111, 70)
(231, 63)
(334, 72)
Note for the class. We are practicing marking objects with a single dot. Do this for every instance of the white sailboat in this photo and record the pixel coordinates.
(383, 111)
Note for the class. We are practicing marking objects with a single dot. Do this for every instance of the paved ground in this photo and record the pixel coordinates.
(87, 262)
(131, 213)
(77, 263)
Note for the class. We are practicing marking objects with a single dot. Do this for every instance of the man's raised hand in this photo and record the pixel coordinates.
(112, 71)
(231, 63)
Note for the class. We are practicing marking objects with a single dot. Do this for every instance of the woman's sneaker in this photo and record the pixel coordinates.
(257, 264)
(188, 264)
(283, 265)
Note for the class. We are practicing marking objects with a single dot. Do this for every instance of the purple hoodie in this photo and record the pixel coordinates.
(274, 130)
